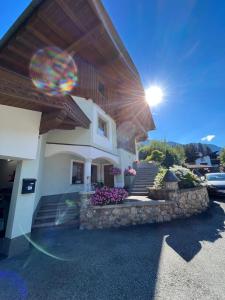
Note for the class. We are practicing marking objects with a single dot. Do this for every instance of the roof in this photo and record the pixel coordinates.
(84, 29)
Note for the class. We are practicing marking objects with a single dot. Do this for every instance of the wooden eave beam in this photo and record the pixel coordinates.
(81, 42)
(62, 34)
(23, 38)
(12, 61)
(16, 87)
(52, 120)
(17, 51)
(32, 30)
(75, 113)
(70, 14)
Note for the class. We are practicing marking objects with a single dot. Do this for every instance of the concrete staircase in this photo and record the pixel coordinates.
(58, 210)
(144, 178)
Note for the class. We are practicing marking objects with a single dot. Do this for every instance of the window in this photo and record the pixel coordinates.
(77, 173)
(102, 127)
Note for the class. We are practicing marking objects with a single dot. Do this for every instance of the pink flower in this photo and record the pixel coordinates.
(107, 195)
(129, 172)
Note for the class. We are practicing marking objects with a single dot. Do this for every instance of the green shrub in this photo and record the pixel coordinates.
(186, 178)
(156, 156)
(222, 157)
(158, 182)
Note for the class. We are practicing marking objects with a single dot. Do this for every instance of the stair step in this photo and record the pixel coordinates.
(143, 182)
(49, 219)
(61, 203)
(56, 207)
(52, 224)
(54, 212)
(139, 188)
(139, 194)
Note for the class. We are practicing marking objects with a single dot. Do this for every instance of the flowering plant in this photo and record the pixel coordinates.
(106, 195)
(129, 172)
(115, 171)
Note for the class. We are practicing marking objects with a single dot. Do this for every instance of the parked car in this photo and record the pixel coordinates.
(215, 183)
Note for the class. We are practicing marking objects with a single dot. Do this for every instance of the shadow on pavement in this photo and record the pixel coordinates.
(185, 236)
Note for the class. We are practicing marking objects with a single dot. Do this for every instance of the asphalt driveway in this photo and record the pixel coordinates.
(184, 259)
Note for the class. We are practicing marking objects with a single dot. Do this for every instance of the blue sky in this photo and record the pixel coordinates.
(178, 45)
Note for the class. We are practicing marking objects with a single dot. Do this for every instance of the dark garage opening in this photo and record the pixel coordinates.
(7, 176)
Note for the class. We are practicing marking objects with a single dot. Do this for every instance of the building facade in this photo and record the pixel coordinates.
(53, 145)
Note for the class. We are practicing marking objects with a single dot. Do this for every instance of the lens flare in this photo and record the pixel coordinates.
(41, 248)
(13, 281)
(154, 95)
(53, 71)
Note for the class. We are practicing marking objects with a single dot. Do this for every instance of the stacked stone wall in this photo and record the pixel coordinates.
(181, 204)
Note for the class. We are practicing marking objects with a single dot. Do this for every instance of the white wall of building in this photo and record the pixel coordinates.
(126, 159)
(22, 205)
(103, 142)
(203, 160)
(40, 170)
(19, 130)
(57, 175)
(81, 136)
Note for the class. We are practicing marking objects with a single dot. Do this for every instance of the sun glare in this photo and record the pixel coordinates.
(154, 95)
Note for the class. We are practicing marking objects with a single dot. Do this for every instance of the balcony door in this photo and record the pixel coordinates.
(108, 178)
(94, 174)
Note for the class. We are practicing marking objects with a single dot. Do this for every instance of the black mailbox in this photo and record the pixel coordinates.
(28, 186)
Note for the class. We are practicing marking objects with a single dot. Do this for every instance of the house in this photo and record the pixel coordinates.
(203, 160)
(58, 144)
(211, 162)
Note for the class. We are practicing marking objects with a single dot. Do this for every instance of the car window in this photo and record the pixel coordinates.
(215, 177)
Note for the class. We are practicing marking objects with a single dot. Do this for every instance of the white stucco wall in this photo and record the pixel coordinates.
(89, 136)
(203, 160)
(57, 175)
(41, 167)
(22, 205)
(19, 130)
(126, 159)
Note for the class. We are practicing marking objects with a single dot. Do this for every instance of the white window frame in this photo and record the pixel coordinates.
(99, 116)
(71, 171)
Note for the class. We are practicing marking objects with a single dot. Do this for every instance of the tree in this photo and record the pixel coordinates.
(191, 152)
(222, 157)
(171, 154)
(156, 156)
(170, 159)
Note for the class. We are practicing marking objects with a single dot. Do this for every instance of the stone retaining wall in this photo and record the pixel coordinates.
(184, 203)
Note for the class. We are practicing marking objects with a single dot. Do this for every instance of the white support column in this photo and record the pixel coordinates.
(87, 175)
(136, 150)
(22, 205)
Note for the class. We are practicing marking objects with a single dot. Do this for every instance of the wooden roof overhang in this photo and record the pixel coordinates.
(83, 29)
(58, 112)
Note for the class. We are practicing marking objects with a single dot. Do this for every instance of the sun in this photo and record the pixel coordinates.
(154, 95)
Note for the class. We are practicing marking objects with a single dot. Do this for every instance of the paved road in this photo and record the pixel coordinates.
(184, 259)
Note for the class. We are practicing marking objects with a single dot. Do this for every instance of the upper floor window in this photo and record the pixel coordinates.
(77, 173)
(102, 127)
